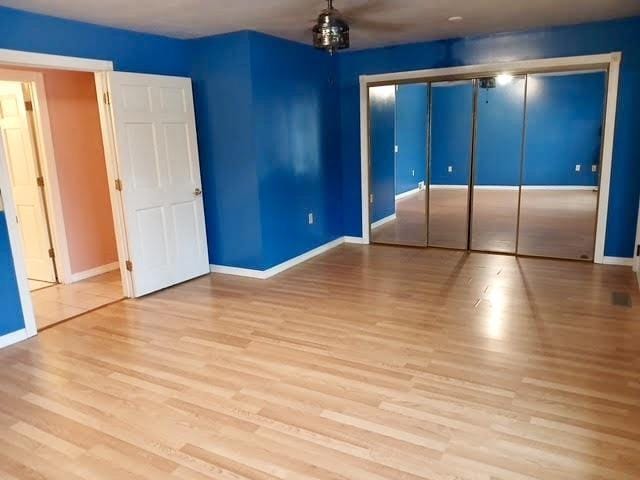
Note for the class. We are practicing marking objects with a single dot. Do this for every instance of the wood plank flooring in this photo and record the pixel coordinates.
(364, 363)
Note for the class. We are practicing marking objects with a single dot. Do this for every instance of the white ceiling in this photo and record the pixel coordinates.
(411, 20)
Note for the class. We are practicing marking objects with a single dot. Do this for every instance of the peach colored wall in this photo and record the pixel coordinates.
(82, 174)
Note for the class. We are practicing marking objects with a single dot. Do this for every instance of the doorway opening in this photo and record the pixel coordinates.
(54, 156)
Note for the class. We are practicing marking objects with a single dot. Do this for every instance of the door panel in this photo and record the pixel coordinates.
(158, 164)
(450, 163)
(382, 141)
(497, 164)
(561, 167)
(24, 171)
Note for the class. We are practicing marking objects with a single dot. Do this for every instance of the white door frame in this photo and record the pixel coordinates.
(10, 58)
(609, 61)
(636, 249)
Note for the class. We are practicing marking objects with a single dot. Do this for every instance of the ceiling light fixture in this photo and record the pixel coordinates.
(455, 19)
(331, 32)
(504, 79)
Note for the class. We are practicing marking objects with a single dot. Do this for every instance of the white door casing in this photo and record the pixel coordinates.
(158, 166)
(24, 171)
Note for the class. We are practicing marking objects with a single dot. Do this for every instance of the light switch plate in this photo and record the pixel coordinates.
(594, 168)
(311, 219)
(450, 169)
(578, 168)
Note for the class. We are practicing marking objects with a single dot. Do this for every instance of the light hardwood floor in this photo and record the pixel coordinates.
(364, 363)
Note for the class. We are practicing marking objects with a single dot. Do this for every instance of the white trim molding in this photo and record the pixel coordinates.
(59, 62)
(408, 193)
(94, 272)
(13, 338)
(447, 187)
(355, 240)
(265, 274)
(382, 221)
(561, 187)
(623, 261)
(608, 61)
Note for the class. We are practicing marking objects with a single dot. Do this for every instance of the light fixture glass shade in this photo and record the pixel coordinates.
(331, 32)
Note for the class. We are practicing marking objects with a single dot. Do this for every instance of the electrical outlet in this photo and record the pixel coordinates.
(450, 169)
(413, 173)
(594, 168)
(421, 186)
(396, 149)
(311, 219)
(578, 168)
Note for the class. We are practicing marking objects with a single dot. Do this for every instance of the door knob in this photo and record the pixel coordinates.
(197, 192)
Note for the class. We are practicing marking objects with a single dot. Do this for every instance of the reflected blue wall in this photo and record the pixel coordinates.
(382, 125)
(603, 37)
(129, 51)
(451, 133)
(412, 101)
(564, 129)
(499, 129)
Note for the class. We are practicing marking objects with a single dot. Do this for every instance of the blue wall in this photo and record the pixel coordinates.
(412, 101)
(222, 85)
(499, 128)
(129, 51)
(11, 316)
(603, 37)
(451, 133)
(297, 145)
(268, 147)
(564, 129)
(382, 124)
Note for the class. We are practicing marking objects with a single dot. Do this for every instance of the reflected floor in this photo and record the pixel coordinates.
(553, 223)
(61, 302)
(558, 223)
(410, 225)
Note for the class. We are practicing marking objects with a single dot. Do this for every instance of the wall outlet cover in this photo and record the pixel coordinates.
(594, 168)
(578, 167)
(311, 219)
(450, 169)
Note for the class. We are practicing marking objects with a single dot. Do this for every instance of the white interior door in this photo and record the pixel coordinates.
(22, 161)
(159, 168)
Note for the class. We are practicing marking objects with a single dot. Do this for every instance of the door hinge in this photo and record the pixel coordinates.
(129, 265)
(119, 185)
(107, 98)
(28, 106)
(52, 253)
(40, 181)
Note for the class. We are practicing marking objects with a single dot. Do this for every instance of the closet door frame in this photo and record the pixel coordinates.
(609, 61)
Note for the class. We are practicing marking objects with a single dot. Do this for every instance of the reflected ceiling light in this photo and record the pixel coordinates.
(331, 32)
(504, 79)
(384, 92)
(455, 18)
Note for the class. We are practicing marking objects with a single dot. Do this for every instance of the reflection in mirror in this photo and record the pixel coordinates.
(498, 155)
(398, 129)
(563, 140)
(450, 158)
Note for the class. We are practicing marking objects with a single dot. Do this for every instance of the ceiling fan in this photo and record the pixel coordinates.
(331, 30)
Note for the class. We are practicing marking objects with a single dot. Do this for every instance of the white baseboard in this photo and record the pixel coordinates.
(448, 187)
(515, 187)
(94, 272)
(624, 261)
(12, 338)
(559, 187)
(358, 240)
(406, 194)
(496, 187)
(382, 221)
(264, 274)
